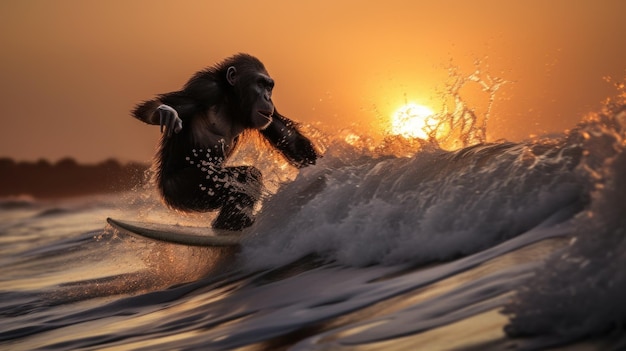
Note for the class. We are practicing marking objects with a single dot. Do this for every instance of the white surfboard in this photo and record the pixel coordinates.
(177, 234)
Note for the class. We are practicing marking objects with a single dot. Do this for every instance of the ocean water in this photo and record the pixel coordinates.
(493, 246)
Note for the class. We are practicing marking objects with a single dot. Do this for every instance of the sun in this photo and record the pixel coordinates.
(412, 121)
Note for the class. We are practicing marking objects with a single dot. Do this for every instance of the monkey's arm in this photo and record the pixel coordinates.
(284, 136)
(171, 109)
(153, 112)
(147, 111)
(168, 111)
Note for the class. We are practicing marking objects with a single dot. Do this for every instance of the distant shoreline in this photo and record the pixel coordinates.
(67, 178)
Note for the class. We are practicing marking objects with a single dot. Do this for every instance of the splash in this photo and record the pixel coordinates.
(458, 123)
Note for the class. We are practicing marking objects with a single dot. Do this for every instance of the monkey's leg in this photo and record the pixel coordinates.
(236, 212)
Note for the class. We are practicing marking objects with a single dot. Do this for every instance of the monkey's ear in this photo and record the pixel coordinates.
(231, 73)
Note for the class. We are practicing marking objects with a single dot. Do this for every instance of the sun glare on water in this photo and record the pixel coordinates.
(412, 121)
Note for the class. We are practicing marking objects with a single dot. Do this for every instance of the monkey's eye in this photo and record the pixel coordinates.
(266, 84)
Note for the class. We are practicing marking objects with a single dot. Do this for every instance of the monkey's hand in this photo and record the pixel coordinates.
(298, 149)
(168, 118)
(302, 152)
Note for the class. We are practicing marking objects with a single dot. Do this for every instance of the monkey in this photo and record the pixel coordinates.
(201, 125)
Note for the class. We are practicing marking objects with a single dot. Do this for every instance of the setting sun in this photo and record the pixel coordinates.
(412, 121)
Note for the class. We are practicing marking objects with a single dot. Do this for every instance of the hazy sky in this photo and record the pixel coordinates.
(70, 70)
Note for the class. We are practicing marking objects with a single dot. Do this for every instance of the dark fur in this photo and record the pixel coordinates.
(180, 179)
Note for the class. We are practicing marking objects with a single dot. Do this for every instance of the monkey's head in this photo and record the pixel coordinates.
(250, 90)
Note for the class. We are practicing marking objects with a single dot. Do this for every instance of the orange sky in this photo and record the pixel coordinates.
(70, 70)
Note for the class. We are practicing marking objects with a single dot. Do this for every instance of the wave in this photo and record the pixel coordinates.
(436, 205)
(439, 205)
(579, 293)
(413, 221)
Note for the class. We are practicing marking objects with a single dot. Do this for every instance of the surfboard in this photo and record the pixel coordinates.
(177, 234)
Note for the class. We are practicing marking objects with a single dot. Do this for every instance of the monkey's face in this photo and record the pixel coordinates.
(252, 89)
(263, 107)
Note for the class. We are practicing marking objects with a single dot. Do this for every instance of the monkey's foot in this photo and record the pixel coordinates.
(232, 220)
